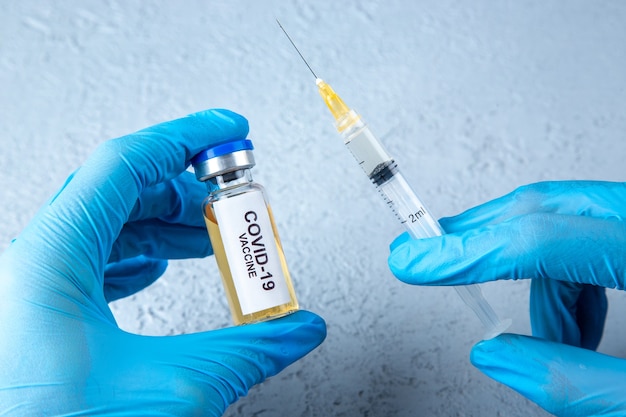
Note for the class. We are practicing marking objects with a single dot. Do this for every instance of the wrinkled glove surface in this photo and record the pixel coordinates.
(568, 237)
(105, 235)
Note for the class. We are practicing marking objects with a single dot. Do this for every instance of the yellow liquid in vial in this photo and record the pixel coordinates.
(227, 278)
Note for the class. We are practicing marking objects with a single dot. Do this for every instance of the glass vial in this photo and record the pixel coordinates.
(243, 234)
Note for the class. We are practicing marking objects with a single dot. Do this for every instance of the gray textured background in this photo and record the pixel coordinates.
(475, 98)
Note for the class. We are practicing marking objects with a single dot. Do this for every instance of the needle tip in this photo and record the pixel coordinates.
(297, 50)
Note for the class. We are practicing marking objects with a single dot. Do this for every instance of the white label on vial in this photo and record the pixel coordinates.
(251, 251)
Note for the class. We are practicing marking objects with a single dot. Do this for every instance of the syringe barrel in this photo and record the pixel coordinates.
(420, 223)
(380, 167)
(409, 209)
(365, 147)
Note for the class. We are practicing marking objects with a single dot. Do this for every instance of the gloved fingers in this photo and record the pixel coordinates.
(234, 359)
(87, 215)
(581, 198)
(125, 278)
(562, 379)
(158, 239)
(567, 312)
(178, 200)
(566, 248)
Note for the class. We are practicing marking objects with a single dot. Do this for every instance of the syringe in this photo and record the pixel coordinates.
(381, 168)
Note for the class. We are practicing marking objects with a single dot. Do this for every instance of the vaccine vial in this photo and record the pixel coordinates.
(243, 234)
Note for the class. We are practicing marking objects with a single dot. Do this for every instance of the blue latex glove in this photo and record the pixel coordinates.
(104, 236)
(570, 238)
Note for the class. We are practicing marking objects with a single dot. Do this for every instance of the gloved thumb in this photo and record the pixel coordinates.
(562, 379)
(228, 362)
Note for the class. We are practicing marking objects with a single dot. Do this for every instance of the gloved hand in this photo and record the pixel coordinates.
(570, 238)
(105, 235)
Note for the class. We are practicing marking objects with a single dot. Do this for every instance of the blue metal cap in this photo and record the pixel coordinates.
(222, 149)
(223, 158)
